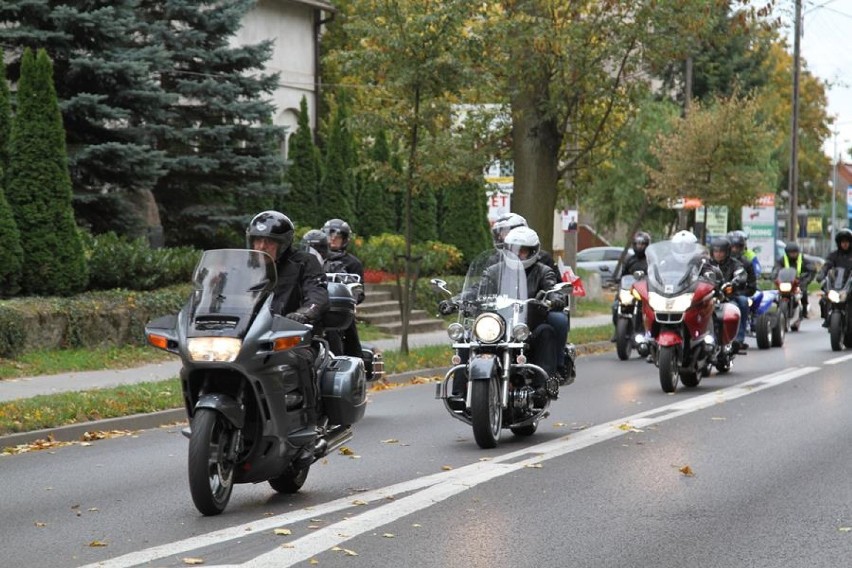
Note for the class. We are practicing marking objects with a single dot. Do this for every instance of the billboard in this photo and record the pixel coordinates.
(759, 224)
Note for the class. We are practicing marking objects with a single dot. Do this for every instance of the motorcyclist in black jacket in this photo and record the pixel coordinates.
(338, 259)
(841, 257)
(301, 291)
(720, 256)
(637, 262)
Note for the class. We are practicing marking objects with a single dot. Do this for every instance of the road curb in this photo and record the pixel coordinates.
(75, 432)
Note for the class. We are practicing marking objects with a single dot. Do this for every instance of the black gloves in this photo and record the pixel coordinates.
(446, 307)
(300, 317)
(305, 314)
(557, 301)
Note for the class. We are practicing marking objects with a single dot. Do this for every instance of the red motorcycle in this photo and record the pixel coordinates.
(689, 327)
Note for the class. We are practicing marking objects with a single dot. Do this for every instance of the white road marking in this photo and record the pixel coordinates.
(432, 489)
(837, 360)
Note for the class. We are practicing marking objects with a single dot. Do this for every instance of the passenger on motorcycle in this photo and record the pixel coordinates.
(841, 257)
(301, 292)
(720, 253)
(739, 241)
(633, 263)
(805, 270)
(338, 259)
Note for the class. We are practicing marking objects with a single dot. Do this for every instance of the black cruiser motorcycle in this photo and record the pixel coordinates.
(490, 351)
(247, 405)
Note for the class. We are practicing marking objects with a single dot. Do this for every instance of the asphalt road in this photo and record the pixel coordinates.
(748, 469)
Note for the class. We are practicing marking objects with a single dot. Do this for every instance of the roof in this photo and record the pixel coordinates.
(321, 4)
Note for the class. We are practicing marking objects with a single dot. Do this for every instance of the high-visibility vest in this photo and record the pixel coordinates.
(798, 264)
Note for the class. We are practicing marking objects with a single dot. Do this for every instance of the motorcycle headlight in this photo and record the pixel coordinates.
(218, 349)
(455, 331)
(488, 328)
(520, 332)
(660, 303)
(785, 286)
(625, 297)
(836, 296)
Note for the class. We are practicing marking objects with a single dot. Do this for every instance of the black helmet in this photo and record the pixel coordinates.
(792, 247)
(641, 240)
(843, 234)
(271, 225)
(317, 240)
(721, 244)
(338, 226)
(737, 238)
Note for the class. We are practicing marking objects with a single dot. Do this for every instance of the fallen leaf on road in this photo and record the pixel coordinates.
(313, 561)
(284, 532)
(484, 459)
(193, 561)
(534, 465)
(359, 502)
(424, 380)
(97, 543)
(287, 545)
(687, 471)
(446, 467)
(845, 529)
(718, 418)
(627, 427)
(350, 552)
(40, 524)
(389, 535)
(383, 385)
(390, 441)
(559, 425)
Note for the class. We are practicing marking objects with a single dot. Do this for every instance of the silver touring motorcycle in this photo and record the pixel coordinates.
(490, 343)
(243, 387)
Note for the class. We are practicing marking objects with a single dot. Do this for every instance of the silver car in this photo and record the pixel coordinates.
(601, 260)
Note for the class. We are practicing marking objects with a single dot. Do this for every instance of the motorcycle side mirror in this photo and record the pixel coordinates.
(639, 274)
(440, 285)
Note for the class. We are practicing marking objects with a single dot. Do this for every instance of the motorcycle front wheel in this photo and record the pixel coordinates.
(668, 364)
(211, 473)
(623, 339)
(486, 412)
(779, 330)
(835, 330)
(763, 331)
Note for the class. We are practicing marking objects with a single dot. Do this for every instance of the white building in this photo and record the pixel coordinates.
(294, 26)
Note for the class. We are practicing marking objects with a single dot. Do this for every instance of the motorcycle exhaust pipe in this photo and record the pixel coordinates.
(642, 347)
(333, 440)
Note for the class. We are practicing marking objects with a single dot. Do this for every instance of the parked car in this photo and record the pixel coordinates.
(601, 260)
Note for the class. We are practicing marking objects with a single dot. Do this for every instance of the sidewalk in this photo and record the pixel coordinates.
(11, 389)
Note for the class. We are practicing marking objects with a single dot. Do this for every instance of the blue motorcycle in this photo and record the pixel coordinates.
(765, 321)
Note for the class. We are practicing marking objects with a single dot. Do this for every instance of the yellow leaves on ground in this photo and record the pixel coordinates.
(359, 502)
(97, 544)
(390, 441)
(345, 551)
(686, 471)
(384, 384)
(446, 467)
(533, 466)
(193, 561)
(50, 443)
(346, 451)
(284, 532)
(627, 427)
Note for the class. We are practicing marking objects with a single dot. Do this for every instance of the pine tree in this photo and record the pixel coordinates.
(111, 102)
(39, 189)
(303, 174)
(224, 158)
(464, 217)
(376, 204)
(337, 191)
(11, 255)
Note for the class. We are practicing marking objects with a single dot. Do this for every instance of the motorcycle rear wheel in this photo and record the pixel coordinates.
(211, 474)
(486, 412)
(291, 480)
(623, 339)
(763, 331)
(668, 364)
(835, 330)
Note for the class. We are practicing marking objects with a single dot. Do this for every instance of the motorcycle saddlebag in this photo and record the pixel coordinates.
(341, 310)
(343, 386)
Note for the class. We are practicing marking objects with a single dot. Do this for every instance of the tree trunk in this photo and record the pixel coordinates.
(536, 143)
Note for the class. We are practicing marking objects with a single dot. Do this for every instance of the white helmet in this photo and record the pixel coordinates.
(683, 245)
(503, 225)
(523, 242)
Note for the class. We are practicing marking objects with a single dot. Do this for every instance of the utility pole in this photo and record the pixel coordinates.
(834, 190)
(794, 134)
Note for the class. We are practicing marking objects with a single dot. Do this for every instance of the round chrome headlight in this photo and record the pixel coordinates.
(520, 332)
(455, 331)
(489, 328)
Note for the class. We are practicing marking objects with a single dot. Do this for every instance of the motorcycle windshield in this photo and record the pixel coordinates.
(228, 284)
(837, 278)
(495, 279)
(787, 274)
(627, 281)
(673, 267)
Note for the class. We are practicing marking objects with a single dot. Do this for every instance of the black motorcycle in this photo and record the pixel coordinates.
(628, 322)
(490, 343)
(247, 403)
(837, 290)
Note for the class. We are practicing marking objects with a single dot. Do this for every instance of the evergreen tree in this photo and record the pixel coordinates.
(337, 189)
(223, 152)
(463, 221)
(424, 216)
(11, 255)
(39, 189)
(110, 100)
(301, 202)
(376, 205)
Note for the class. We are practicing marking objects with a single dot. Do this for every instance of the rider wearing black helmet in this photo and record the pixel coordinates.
(720, 256)
(301, 291)
(339, 232)
(632, 264)
(841, 257)
(805, 270)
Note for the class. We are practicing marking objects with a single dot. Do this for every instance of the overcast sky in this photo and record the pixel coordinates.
(826, 47)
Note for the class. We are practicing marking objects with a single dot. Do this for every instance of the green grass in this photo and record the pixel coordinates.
(51, 411)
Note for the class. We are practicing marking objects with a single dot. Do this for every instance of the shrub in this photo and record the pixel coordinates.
(119, 262)
(384, 253)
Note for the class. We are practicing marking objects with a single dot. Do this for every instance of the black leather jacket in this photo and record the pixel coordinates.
(302, 286)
